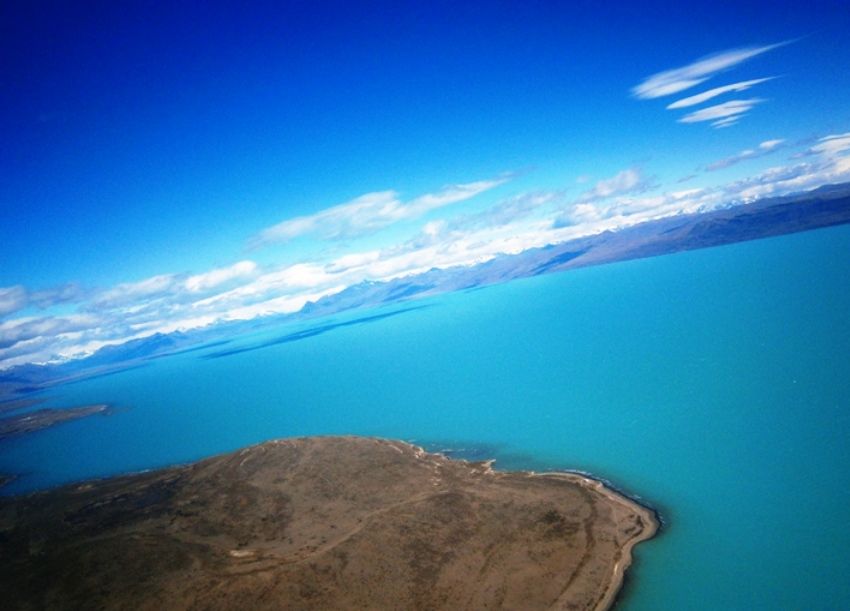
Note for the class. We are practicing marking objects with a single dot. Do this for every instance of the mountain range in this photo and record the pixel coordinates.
(822, 207)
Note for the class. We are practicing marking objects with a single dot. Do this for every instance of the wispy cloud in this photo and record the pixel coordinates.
(287, 280)
(220, 276)
(673, 81)
(789, 179)
(765, 148)
(12, 299)
(713, 93)
(829, 163)
(66, 293)
(506, 211)
(353, 261)
(832, 145)
(722, 112)
(726, 121)
(586, 219)
(585, 208)
(628, 181)
(723, 115)
(23, 329)
(130, 292)
(18, 297)
(369, 213)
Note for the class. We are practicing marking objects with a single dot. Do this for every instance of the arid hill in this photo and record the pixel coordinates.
(321, 523)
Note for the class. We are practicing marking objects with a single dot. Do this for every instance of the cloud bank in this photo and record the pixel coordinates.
(243, 290)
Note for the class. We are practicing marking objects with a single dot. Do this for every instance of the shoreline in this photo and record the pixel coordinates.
(34, 421)
(649, 518)
(634, 498)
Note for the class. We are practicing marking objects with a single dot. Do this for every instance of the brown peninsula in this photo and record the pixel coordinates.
(321, 523)
(31, 422)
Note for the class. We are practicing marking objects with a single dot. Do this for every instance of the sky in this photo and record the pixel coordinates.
(166, 168)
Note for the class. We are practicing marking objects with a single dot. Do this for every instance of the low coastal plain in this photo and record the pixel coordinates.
(322, 523)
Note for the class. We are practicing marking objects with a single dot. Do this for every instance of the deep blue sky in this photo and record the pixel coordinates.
(132, 127)
(142, 138)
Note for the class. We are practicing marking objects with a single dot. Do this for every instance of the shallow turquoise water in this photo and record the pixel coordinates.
(715, 384)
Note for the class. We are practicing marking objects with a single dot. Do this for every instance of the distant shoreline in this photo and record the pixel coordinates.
(772, 217)
(30, 422)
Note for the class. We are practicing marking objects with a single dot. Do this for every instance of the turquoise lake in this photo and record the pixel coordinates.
(714, 384)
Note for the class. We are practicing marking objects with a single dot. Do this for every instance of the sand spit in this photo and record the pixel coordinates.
(322, 523)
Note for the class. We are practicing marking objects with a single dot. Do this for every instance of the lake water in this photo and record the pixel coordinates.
(715, 384)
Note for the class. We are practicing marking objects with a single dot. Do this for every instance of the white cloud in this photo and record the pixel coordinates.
(765, 148)
(771, 145)
(619, 212)
(132, 291)
(369, 213)
(830, 166)
(279, 305)
(580, 213)
(785, 180)
(727, 122)
(732, 108)
(23, 329)
(12, 299)
(712, 93)
(180, 324)
(506, 211)
(217, 277)
(673, 81)
(831, 145)
(453, 248)
(434, 228)
(18, 297)
(300, 275)
(611, 197)
(284, 281)
(630, 180)
(351, 261)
